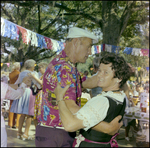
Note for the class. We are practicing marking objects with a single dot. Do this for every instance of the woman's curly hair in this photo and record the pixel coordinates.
(121, 68)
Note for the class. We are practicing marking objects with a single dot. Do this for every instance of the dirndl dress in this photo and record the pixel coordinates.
(25, 104)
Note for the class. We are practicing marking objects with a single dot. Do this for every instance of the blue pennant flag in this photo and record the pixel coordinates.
(127, 50)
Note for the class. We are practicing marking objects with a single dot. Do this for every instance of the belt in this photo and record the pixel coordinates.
(51, 126)
(80, 138)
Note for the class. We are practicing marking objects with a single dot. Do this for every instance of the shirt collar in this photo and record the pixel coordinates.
(63, 55)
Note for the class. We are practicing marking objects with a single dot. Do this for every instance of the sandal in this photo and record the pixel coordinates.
(19, 135)
(25, 137)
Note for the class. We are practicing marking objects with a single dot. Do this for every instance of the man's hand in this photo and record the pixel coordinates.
(60, 92)
(90, 82)
(115, 125)
(109, 128)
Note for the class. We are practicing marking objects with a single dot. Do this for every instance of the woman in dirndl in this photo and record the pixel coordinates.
(25, 105)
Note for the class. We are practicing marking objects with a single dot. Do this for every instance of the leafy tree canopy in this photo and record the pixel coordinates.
(114, 22)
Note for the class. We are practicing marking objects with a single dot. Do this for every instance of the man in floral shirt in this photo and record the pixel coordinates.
(50, 131)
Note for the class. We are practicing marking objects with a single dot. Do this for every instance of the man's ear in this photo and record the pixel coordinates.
(119, 80)
(75, 41)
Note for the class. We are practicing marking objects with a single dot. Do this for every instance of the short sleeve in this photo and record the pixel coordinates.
(93, 112)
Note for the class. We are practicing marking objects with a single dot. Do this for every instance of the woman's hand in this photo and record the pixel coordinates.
(31, 75)
(27, 81)
(60, 92)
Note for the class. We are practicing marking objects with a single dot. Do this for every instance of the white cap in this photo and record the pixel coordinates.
(76, 32)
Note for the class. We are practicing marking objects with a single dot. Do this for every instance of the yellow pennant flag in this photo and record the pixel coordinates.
(1, 64)
(139, 68)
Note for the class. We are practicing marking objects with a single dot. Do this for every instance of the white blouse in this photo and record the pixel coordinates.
(95, 110)
(13, 94)
(9, 93)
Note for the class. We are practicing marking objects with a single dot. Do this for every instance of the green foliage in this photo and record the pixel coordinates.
(54, 18)
(85, 66)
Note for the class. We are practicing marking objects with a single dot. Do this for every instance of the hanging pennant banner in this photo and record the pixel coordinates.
(2, 27)
(1, 64)
(128, 50)
(147, 68)
(103, 47)
(136, 52)
(98, 48)
(11, 30)
(7, 29)
(24, 34)
(115, 49)
(139, 68)
(48, 42)
(8, 64)
(108, 48)
(145, 52)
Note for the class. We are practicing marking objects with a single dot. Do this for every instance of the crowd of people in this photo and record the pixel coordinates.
(53, 98)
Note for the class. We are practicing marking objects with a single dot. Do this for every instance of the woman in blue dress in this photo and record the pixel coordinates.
(25, 104)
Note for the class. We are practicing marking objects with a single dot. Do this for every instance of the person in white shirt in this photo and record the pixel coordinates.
(144, 99)
(7, 92)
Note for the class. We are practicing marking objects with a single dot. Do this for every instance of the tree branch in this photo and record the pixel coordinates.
(39, 19)
(5, 50)
(18, 13)
(37, 53)
(50, 24)
(137, 8)
(74, 12)
(22, 3)
(142, 21)
(46, 57)
(24, 15)
(8, 14)
(126, 15)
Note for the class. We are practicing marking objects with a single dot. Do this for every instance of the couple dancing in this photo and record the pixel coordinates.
(61, 114)
(112, 75)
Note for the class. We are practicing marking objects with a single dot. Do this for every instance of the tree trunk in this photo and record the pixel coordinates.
(111, 25)
(111, 33)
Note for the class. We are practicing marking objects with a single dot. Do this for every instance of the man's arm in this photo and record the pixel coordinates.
(109, 128)
(72, 106)
(69, 106)
(90, 82)
(105, 127)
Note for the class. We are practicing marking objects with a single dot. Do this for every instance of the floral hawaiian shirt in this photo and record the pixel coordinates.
(62, 71)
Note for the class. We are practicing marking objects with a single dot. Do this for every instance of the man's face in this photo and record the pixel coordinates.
(106, 77)
(83, 49)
